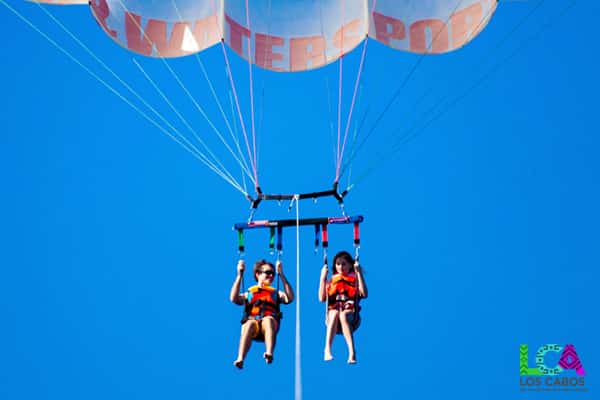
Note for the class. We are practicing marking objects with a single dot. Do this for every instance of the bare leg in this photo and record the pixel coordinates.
(269, 330)
(248, 331)
(347, 331)
(332, 324)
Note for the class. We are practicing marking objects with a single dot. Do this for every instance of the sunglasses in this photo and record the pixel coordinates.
(268, 272)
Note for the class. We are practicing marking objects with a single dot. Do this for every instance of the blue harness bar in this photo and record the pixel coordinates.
(282, 223)
(276, 228)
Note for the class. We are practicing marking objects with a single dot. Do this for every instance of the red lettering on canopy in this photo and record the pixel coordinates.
(351, 35)
(206, 32)
(303, 50)
(101, 11)
(154, 36)
(438, 35)
(466, 24)
(387, 28)
(264, 55)
(236, 32)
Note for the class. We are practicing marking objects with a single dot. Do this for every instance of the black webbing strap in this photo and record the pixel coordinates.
(260, 196)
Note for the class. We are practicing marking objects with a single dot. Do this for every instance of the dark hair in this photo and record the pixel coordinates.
(346, 256)
(259, 264)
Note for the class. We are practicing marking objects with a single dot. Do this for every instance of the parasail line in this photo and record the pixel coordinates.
(404, 83)
(411, 135)
(353, 148)
(260, 124)
(229, 75)
(413, 110)
(331, 124)
(182, 118)
(181, 84)
(298, 354)
(328, 88)
(339, 122)
(414, 133)
(222, 111)
(355, 134)
(238, 157)
(235, 136)
(251, 86)
(237, 103)
(356, 84)
(425, 94)
(262, 96)
(360, 68)
(196, 135)
(117, 93)
(111, 71)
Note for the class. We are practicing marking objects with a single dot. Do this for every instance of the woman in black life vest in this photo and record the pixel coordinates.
(261, 314)
(342, 293)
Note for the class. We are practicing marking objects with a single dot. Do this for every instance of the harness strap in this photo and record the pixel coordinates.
(241, 246)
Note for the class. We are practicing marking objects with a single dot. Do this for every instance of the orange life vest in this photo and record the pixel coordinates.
(262, 302)
(342, 288)
(342, 294)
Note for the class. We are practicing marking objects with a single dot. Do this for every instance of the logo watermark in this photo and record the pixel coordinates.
(567, 375)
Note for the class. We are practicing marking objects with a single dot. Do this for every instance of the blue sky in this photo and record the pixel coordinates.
(480, 234)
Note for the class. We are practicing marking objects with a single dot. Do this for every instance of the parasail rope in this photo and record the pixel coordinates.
(331, 123)
(262, 94)
(237, 103)
(238, 157)
(208, 120)
(298, 359)
(339, 130)
(251, 84)
(182, 85)
(402, 86)
(116, 76)
(356, 85)
(235, 136)
(413, 133)
(127, 86)
(329, 102)
(182, 142)
(354, 136)
(182, 118)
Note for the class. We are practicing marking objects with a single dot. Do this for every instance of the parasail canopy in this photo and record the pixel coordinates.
(288, 35)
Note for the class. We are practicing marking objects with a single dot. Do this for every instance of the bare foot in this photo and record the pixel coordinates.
(352, 360)
(239, 364)
(268, 358)
(328, 356)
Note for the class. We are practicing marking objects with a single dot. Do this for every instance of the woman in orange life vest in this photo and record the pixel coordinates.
(261, 316)
(342, 293)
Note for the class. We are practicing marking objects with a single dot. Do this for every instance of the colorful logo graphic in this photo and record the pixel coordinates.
(567, 375)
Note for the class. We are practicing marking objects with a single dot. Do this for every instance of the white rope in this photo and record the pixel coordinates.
(191, 97)
(186, 91)
(124, 83)
(239, 157)
(235, 138)
(298, 364)
(203, 113)
(242, 161)
(183, 120)
(113, 90)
